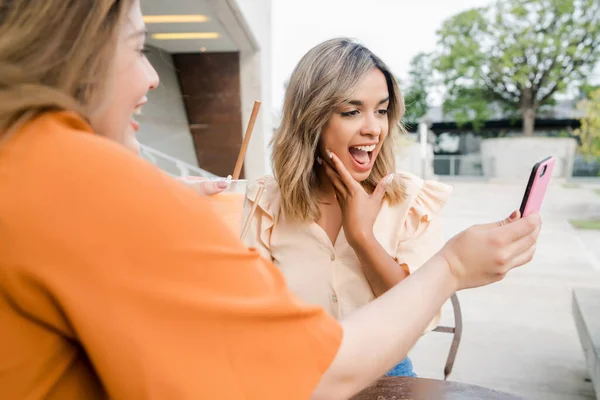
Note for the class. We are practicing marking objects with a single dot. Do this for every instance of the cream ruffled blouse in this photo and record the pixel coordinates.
(331, 275)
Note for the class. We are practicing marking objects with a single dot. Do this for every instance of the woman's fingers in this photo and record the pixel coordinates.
(524, 243)
(513, 231)
(351, 185)
(209, 188)
(204, 186)
(524, 257)
(381, 187)
(512, 254)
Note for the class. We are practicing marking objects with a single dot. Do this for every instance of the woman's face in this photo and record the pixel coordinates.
(134, 77)
(357, 129)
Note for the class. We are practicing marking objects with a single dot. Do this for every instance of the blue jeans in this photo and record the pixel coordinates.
(405, 368)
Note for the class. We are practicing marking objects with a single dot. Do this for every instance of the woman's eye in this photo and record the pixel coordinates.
(349, 113)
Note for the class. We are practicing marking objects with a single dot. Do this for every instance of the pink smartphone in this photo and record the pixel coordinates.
(536, 187)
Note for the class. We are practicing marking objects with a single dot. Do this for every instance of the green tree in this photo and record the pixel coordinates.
(415, 95)
(516, 55)
(589, 132)
(586, 89)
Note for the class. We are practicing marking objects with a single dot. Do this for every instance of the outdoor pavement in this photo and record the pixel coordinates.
(519, 335)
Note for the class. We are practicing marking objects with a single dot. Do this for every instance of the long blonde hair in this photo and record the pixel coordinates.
(321, 82)
(56, 55)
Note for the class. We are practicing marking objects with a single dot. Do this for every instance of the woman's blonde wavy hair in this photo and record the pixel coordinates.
(322, 81)
(56, 55)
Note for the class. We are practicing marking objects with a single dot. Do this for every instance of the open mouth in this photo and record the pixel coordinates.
(135, 124)
(362, 154)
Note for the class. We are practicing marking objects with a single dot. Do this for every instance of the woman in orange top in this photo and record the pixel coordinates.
(117, 281)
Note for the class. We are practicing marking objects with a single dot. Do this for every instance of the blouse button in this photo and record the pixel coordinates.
(334, 298)
(332, 257)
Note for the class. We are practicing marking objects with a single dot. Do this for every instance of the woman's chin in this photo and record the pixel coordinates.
(360, 176)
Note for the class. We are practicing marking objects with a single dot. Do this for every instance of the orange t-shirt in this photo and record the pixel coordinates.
(117, 281)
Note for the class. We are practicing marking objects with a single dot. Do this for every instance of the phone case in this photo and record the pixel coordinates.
(537, 185)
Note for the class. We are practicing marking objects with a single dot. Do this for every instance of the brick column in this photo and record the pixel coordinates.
(210, 85)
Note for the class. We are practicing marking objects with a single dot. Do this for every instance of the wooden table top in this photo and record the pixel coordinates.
(404, 388)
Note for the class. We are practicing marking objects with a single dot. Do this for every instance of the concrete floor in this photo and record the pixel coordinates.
(519, 335)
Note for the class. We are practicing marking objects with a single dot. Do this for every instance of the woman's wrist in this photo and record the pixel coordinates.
(362, 241)
(439, 262)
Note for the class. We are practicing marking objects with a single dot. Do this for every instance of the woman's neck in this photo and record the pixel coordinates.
(324, 187)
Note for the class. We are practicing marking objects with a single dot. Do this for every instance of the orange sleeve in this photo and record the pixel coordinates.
(166, 302)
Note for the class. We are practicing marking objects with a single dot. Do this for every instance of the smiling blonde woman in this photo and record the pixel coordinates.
(342, 100)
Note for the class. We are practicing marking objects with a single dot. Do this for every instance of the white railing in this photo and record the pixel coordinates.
(172, 165)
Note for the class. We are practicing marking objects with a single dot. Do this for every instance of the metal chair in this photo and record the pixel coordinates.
(456, 330)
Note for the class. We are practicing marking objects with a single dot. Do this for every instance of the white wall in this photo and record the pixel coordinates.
(255, 75)
(163, 123)
(513, 157)
(409, 159)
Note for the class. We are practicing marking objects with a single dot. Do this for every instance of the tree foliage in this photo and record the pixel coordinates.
(516, 54)
(589, 132)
